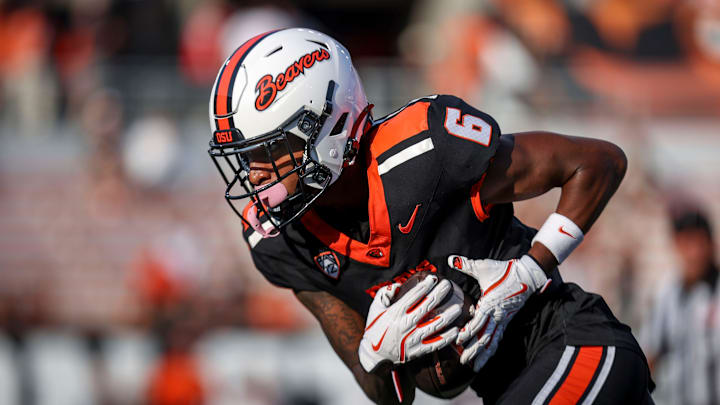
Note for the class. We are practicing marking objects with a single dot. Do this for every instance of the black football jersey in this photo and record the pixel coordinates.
(425, 165)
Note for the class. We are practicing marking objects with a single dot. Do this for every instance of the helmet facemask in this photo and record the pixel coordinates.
(232, 154)
(281, 92)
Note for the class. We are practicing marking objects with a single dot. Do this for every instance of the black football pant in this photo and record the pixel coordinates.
(562, 374)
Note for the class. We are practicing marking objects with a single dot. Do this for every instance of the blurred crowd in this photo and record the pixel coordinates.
(658, 56)
(112, 223)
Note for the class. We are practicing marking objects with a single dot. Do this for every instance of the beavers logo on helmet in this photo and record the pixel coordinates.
(328, 263)
(267, 87)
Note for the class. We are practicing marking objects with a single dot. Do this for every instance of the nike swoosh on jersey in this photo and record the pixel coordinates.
(408, 227)
(379, 343)
(561, 230)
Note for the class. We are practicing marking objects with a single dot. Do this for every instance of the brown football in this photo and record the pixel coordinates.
(440, 373)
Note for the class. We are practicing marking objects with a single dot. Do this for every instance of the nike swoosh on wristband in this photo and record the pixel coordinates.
(379, 343)
(408, 227)
(561, 230)
(522, 290)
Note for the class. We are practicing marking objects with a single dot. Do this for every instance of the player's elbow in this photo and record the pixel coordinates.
(615, 160)
(609, 161)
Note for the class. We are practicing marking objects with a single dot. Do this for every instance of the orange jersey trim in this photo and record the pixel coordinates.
(481, 212)
(409, 122)
(379, 228)
(581, 373)
(245, 214)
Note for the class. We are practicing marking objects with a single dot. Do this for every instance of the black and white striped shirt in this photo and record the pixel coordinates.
(683, 334)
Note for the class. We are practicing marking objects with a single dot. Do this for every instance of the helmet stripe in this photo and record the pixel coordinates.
(224, 85)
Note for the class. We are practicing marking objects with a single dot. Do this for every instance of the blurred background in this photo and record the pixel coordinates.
(124, 278)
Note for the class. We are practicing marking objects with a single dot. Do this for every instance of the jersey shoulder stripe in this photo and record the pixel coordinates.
(414, 150)
(399, 110)
(399, 126)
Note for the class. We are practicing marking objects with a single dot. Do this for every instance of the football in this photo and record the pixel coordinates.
(440, 373)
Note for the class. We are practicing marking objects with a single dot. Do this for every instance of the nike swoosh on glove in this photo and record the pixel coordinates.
(399, 332)
(506, 285)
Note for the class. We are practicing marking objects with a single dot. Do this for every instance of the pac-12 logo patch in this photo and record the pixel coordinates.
(328, 263)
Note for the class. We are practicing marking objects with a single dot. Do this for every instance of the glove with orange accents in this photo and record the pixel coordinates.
(506, 285)
(397, 332)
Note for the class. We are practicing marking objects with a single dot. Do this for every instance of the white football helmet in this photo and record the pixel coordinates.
(277, 90)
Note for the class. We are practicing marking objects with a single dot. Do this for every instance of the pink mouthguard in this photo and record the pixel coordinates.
(272, 197)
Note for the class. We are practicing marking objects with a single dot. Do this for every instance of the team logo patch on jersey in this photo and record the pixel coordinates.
(268, 87)
(328, 263)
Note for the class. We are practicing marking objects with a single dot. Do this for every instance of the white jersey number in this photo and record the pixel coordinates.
(471, 128)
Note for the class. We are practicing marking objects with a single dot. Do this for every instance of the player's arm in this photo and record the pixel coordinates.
(344, 328)
(526, 165)
(588, 171)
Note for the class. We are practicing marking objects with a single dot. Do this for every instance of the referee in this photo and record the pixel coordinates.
(682, 336)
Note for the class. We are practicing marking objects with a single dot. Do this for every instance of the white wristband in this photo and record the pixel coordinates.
(560, 235)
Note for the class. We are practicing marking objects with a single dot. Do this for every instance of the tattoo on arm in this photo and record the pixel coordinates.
(344, 328)
(342, 325)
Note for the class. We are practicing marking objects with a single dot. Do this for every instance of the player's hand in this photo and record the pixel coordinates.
(399, 332)
(506, 285)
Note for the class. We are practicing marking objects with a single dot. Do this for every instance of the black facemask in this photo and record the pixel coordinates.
(232, 154)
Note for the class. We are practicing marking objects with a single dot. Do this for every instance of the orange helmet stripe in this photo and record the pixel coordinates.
(223, 89)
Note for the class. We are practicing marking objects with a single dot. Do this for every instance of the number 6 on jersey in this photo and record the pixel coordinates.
(470, 127)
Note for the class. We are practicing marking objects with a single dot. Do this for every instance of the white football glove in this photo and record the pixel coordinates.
(400, 332)
(506, 285)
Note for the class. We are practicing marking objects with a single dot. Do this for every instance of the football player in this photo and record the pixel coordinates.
(341, 208)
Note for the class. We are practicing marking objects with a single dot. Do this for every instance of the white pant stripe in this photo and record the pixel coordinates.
(607, 365)
(555, 377)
